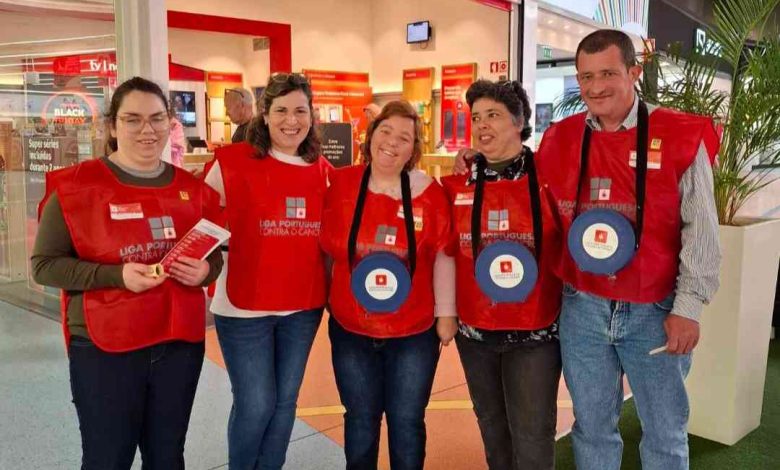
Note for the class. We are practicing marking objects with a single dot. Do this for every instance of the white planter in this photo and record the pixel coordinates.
(726, 382)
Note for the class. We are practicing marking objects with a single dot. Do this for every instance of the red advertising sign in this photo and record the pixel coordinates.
(455, 114)
(335, 76)
(500, 4)
(92, 65)
(341, 97)
(417, 73)
(224, 77)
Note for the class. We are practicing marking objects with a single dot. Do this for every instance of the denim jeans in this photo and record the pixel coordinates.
(391, 376)
(141, 398)
(602, 339)
(514, 388)
(265, 359)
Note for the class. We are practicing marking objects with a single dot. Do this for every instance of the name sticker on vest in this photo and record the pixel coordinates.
(126, 211)
(653, 159)
(464, 199)
(417, 215)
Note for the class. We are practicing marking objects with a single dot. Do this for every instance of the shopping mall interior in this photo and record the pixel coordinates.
(61, 60)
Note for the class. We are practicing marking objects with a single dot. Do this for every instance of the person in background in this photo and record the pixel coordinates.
(135, 342)
(385, 362)
(508, 347)
(269, 303)
(178, 144)
(239, 105)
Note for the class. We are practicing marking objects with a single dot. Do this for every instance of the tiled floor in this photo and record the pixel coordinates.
(39, 429)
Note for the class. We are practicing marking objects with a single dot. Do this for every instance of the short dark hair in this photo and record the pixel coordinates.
(602, 39)
(403, 109)
(509, 93)
(132, 84)
(259, 136)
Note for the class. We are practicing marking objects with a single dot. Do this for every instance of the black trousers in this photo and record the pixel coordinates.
(514, 388)
(140, 398)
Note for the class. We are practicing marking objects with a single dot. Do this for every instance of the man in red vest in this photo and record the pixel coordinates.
(634, 190)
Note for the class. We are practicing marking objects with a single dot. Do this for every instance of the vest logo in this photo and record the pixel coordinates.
(380, 280)
(162, 228)
(386, 235)
(506, 267)
(600, 189)
(600, 236)
(296, 207)
(655, 144)
(184, 195)
(498, 220)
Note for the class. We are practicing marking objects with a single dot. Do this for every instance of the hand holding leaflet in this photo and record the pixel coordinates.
(198, 243)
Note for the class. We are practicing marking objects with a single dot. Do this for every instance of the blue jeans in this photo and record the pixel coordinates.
(391, 376)
(265, 358)
(602, 339)
(136, 399)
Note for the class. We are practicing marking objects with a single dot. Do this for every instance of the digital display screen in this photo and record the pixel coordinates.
(418, 32)
(183, 106)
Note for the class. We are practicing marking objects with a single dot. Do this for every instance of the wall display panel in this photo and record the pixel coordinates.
(455, 113)
(341, 97)
(219, 127)
(418, 91)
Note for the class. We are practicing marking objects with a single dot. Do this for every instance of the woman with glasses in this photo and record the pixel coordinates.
(135, 340)
(392, 299)
(269, 303)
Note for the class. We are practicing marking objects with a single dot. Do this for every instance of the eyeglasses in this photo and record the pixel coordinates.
(158, 123)
(292, 78)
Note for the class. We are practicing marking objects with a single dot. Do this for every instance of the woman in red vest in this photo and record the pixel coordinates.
(269, 304)
(507, 296)
(385, 227)
(135, 342)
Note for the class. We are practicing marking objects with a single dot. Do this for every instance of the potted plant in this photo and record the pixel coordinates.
(726, 383)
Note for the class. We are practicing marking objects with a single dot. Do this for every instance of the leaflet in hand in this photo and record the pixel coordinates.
(198, 243)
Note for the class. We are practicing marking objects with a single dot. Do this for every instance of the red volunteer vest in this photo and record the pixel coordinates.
(673, 142)
(114, 223)
(274, 213)
(382, 229)
(506, 215)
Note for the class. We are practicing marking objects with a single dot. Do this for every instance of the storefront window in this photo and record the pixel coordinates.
(54, 86)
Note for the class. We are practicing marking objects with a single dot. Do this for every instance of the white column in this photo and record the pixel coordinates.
(142, 44)
(142, 40)
(530, 19)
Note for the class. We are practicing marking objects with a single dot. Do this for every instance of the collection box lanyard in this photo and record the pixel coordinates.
(641, 168)
(390, 293)
(479, 195)
(506, 271)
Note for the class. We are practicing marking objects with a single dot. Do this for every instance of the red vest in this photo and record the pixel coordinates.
(673, 142)
(274, 213)
(506, 215)
(154, 219)
(382, 229)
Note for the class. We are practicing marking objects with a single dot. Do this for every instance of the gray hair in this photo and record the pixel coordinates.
(246, 96)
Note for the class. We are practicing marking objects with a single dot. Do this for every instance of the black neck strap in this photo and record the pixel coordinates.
(479, 195)
(406, 200)
(641, 168)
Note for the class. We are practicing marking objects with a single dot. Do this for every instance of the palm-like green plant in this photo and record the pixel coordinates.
(749, 112)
